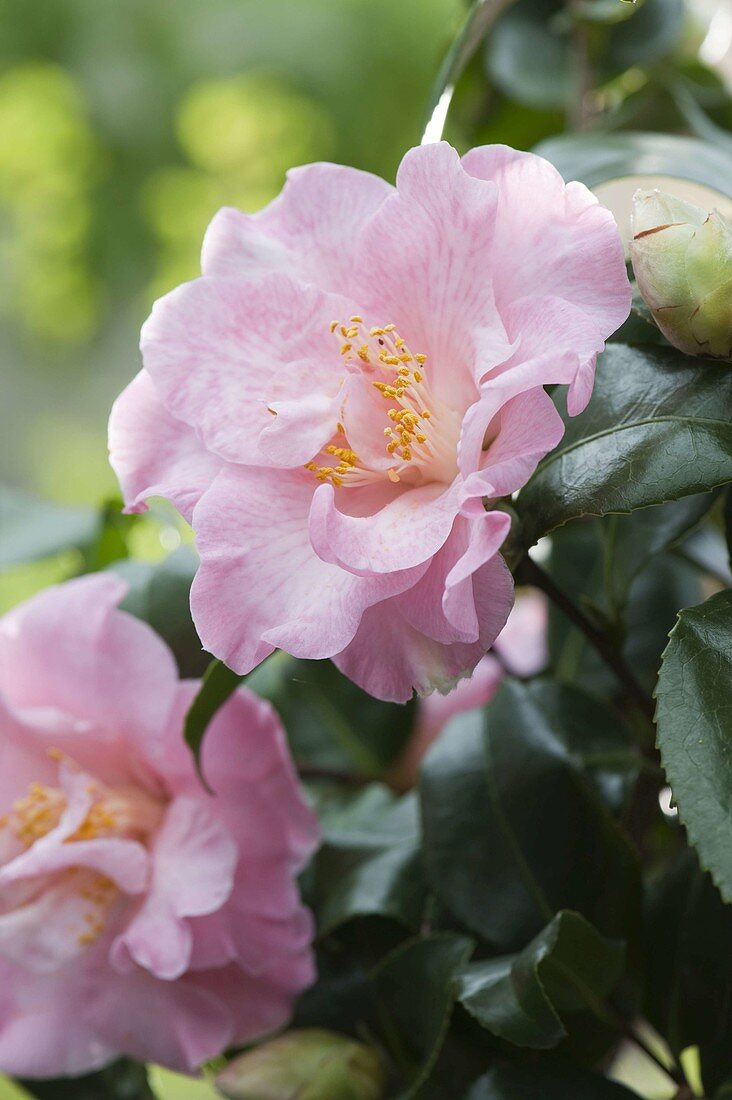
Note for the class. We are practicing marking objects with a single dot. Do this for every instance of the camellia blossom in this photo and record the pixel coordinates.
(139, 914)
(519, 650)
(356, 378)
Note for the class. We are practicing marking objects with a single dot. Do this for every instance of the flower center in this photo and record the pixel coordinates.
(124, 812)
(419, 435)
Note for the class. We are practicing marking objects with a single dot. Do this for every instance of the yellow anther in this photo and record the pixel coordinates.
(393, 475)
(357, 320)
(417, 376)
(421, 358)
(346, 348)
(363, 353)
(425, 414)
(389, 328)
(334, 325)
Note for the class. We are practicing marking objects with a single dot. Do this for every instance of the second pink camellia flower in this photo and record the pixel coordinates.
(356, 377)
(139, 915)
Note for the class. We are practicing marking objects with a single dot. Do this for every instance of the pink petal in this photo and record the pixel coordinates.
(260, 585)
(69, 648)
(193, 860)
(309, 231)
(526, 428)
(480, 564)
(45, 1029)
(390, 659)
(403, 534)
(153, 454)
(425, 259)
(522, 644)
(176, 1024)
(551, 238)
(222, 352)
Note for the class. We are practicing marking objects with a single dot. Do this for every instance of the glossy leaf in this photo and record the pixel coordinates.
(370, 862)
(514, 826)
(694, 719)
(689, 952)
(568, 967)
(658, 428)
(632, 541)
(33, 529)
(159, 594)
(414, 991)
(596, 158)
(544, 1082)
(332, 723)
(218, 684)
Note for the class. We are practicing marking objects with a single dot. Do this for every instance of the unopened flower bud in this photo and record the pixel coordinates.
(308, 1064)
(682, 258)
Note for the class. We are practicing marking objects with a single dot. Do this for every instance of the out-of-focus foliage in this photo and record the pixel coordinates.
(123, 128)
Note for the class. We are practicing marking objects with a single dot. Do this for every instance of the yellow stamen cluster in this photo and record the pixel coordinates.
(100, 892)
(381, 350)
(37, 814)
(347, 460)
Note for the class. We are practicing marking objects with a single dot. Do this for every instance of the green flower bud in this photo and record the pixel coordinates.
(682, 258)
(307, 1065)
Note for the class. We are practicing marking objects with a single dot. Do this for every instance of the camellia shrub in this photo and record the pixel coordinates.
(414, 778)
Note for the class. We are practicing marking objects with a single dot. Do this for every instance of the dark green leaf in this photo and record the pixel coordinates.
(728, 522)
(529, 55)
(632, 541)
(658, 427)
(689, 953)
(656, 594)
(332, 723)
(568, 967)
(652, 32)
(124, 1080)
(543, 1082)
(544, 749)
(370, 862)
(596, 158)
(414, 992)
(218, 684)
(694, 719)
(159, 595)
(33, 529)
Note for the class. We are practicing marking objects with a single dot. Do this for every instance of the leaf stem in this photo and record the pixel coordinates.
(528, 572)
(482, 15)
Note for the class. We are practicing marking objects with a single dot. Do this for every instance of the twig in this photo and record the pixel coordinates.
(528, 572)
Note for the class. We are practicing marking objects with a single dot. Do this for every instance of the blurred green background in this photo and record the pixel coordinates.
(124, 125)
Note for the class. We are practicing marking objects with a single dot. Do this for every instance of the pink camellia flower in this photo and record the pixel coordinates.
(139, 914)
(520, 650)
(358, 375)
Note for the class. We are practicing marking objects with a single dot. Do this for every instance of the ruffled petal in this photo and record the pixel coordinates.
(425, 258)
(309, 230)
(260, 585)
(222, 353)
(194, 859)
(71, 649)
(155, 455)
